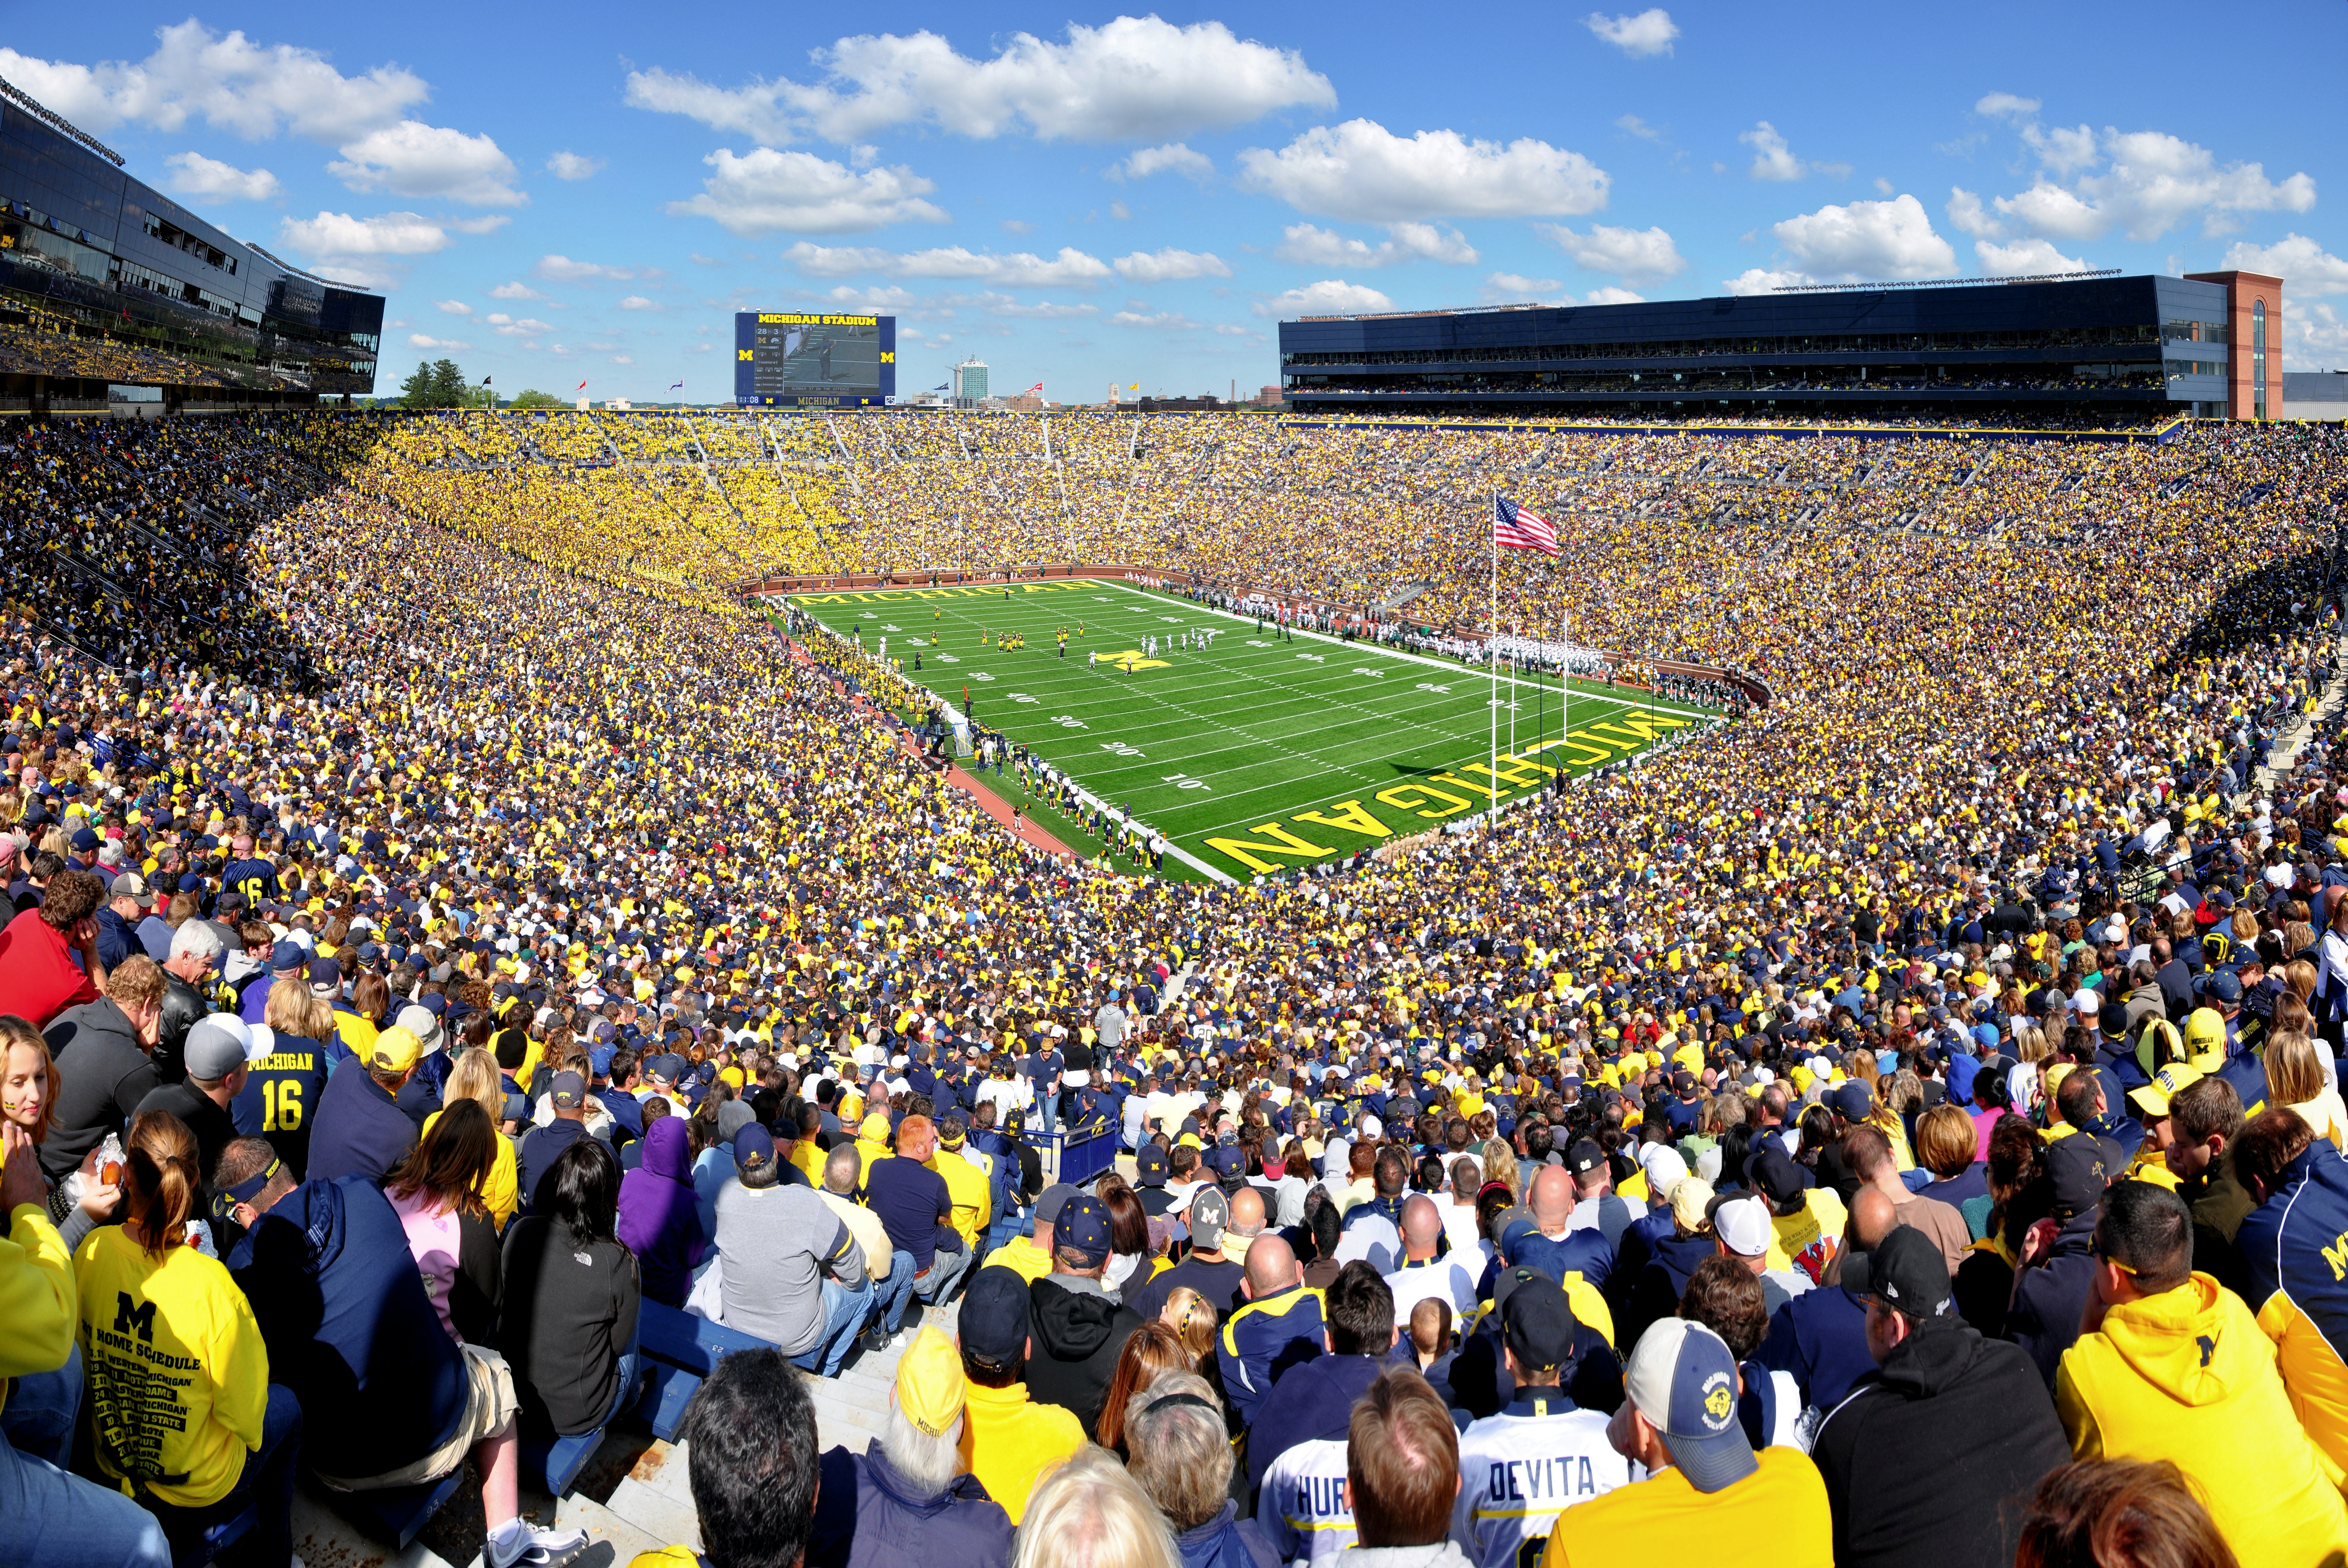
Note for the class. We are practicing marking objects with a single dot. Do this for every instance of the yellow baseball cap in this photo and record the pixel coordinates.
(1691, 1196)
(2205, 1039)
(874, 1126)
(395, 1050)
(930, 1387)
(2167, 1085)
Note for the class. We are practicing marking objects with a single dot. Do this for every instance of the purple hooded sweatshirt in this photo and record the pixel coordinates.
(658, 1220)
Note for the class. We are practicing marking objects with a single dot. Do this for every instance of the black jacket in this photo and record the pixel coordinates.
(2044, 1318)
(183, 1007)
(1079, 1333)
(103, 1073)
(1975, 1431)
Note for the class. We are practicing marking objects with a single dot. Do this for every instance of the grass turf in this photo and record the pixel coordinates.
(1251, 753)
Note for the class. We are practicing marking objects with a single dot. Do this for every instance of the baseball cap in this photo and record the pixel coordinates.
(1539, 1325)
(419, 1022)
(1774, 1173)
(568, 1092)
(1851, 1101)
(754, 1146)
(395, 1050)
(1083, 1225)
(216, 1047)
(1682, 1379)
(930, 1388)
(325, 976)
(874, 1128)
(2079, 1168)
(993, 1323)
(2087, 1004)
(1665, 1167)
(2225, 986)
(2170, 1081)
(129, 884)
(1691, 1203)
(84, 840)
(1055, 1199)
(1209, 1212)
(1584, 1156)
(2205, 1039)
(1905, 1272)
(1150, 1165)
(1742, 1223)
(287, 958)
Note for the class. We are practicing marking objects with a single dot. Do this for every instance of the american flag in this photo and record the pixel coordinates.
(1518, 527)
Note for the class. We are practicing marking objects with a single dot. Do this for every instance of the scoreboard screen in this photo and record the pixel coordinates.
(814, 359)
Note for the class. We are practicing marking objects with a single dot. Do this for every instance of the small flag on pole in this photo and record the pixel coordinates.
(673, 386)
(1518, 527)
(580, 388)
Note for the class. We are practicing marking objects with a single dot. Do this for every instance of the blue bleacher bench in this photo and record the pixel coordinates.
(678, 1351)
(555, 1462)
(398, 1513)
(195, 1551)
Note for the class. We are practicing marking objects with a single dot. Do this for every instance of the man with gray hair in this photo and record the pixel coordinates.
(1182, 1455)
(189, 974)
(907, 1498)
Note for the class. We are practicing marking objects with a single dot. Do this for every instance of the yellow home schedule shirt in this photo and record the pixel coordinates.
(178, 1376)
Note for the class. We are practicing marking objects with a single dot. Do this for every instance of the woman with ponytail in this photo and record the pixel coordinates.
(184, 1415)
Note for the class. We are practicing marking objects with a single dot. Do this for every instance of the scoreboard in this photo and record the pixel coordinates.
(814, 359)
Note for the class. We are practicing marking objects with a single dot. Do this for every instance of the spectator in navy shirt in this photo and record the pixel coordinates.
(916, 1208)
(360, 1128)
(1043, 1069)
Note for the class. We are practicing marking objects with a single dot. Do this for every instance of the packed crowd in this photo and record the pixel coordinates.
(476, 951)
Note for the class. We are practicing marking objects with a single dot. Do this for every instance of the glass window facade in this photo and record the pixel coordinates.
(96, 267)
(2259, 359)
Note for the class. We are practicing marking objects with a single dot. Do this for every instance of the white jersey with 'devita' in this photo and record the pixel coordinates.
(1522, 1467)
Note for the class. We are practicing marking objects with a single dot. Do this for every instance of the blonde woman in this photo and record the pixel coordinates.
(474, 1077)
(2295, 1079)
(1500, 1165)
(1089, 1513)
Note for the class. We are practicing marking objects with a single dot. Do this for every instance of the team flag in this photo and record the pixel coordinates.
(1518, 527)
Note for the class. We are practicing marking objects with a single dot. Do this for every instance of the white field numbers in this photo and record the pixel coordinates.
(1184, 782)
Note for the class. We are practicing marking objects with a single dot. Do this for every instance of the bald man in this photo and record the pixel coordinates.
(1820, 1337)
(1430, 1267)
(1247, 1221)
(1554, 1246)
(1277, 1326)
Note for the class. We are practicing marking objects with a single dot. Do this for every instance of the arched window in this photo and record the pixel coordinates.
(2259, 359)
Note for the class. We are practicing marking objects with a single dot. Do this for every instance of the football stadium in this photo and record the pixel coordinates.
(1620, 912)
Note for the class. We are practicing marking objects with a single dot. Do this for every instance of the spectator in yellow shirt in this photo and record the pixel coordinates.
(1008, 1440)
(184, 1415)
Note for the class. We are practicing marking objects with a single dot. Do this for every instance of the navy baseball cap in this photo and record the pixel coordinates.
(754, 1147)
(1682, 1379)
(1150, 1165)
(993, 1323)
(1539, 1325)
(1083, 1225)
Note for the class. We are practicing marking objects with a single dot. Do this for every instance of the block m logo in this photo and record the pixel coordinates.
(130, 1319)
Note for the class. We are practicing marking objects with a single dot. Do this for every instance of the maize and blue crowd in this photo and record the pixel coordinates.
(449, 926)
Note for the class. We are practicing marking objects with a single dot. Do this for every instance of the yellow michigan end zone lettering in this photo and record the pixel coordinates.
(1288, 844)
(1351, 816)
(1484, 790)
(1631, 721)
(1416, 797)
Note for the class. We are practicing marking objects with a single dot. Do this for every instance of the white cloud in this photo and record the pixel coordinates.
(1169, 265)
(1168, 320)
(1041, 310)
(1650, 32)
(1119, 211)
(1360, 171)
(1966, 212)
(2024, 258)
(2315, 338)
(194, 174)
(1611, 295)
(488, 223)
(227, 80)
(413, 159)
(1173, 158)
(1884, 186)
(1510, 288)
(1330, 296)
(1772, 159)
(455, 306)
(1634, 254)
(638, 302)
(518, 290)
(563, 270)
(2146, 182)
(418, 340)
(384, 234)
(1866, 240)
(1135, 77)
(623, 360)
(1996, 104)
(1071, 268)
(507, 328)
(1316, 247)
(2302, 264)
(573, 166)
(1636, 126)
(1763, 280)
(874, 301)
(797, 192)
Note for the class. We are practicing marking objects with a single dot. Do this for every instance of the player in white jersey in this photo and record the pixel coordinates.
(1301, 1507)
(1520, 1469)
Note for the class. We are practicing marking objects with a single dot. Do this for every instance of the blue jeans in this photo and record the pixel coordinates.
(631, 1363)
(60, 1521)
(896, 1287)
(945, 1268)
(1047, 1112)
(843, 1318)
(266, 1484)
(39, 1420)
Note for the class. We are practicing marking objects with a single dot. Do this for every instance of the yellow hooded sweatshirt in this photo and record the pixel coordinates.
(2187, 1376)
(971, 1193)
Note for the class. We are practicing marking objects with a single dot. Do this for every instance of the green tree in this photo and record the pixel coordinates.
(532, 398)
(416, 392)
(448, 385)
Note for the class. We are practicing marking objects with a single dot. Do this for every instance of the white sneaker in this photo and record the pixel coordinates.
(531, 1547)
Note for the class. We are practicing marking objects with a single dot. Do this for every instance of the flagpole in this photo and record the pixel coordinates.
(1492, 658)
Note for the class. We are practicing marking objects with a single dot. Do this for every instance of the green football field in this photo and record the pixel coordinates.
(1250, 752)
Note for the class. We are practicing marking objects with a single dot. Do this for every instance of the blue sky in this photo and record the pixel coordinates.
(1136, 196)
